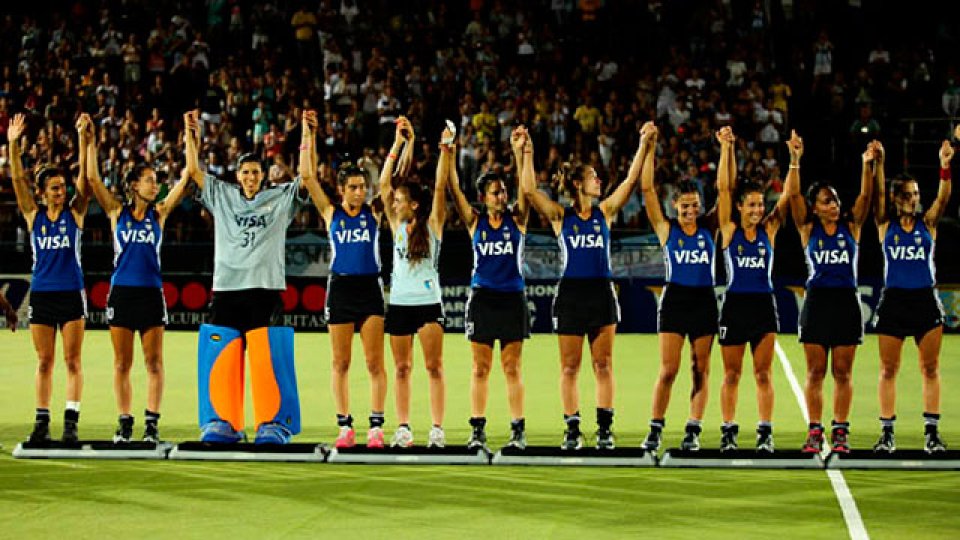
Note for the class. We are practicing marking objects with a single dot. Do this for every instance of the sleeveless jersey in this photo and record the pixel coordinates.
(414, 284)
(689, 258)
(908, 257)
(355, 243)
(136, 250)
(585, 245)
(56, 252)
(831, 260)
(497, 255)
(749, 264)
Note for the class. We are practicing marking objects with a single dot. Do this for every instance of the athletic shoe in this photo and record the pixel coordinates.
(572, 440)
(691, 440)
(40, 433)
(765, 440)
(70, 434)
(605, 440)
(886, 443)
(652, 442)
(124, 430)
(151, 433)
(347, 438)
(838, 438)
(728, 438)
(436, 438)
(272, 433)
(375, 438)
(814, 443)
(220, 432)
(403, 437)
(932, 443)
(518, 439)
(478, 439)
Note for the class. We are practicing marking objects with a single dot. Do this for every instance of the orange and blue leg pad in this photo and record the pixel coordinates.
(276, 404)
(220, 383)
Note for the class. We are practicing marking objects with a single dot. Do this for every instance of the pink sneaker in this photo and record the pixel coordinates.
(375, 438)
(347, 438)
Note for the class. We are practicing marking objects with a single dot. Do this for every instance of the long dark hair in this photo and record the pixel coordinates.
(566, 175)
(418, 243)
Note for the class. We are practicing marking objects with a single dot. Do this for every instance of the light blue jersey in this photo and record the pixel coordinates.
(414, 284)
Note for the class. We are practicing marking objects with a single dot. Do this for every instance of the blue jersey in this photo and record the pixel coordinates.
(497, 255)
(689, 258)
(831, 260)
(585, 245)
(749, 264)
(355, 243)
(908, 257)
(56, 252)
(136, 249)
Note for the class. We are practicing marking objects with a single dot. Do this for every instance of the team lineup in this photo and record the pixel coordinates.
(250, 218)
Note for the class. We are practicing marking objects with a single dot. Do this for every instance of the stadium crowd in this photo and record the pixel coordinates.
(583, 76)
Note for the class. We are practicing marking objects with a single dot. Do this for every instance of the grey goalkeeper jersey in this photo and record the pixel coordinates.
(249, 235)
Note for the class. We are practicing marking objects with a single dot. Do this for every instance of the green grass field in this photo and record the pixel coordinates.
(94, 499)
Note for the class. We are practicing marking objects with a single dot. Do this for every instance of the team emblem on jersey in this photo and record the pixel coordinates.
(148, 225)
(363, 222)
(841, 242)
(680, 242)
(43, 230)
(506, 234)
(576, 229)
(483, 235)
(129, 224)
(63, 229)
(740, 250)
(342, 225)
(701, 243)
(896, 238)
(596, 227)
(917, 239)
(763, 251)
(820, 243)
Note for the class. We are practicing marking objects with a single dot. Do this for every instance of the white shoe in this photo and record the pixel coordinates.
(403, 437)
(437, 439)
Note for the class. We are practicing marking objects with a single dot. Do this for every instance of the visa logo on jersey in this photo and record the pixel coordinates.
(54, 242)
(831, 256)
(751, 262)
(907, 253)
(247, 222)
(352, 236)
(696, 256)
(495, 248)
(137, 237)
(586, 241)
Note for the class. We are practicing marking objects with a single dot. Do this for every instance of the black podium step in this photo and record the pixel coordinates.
(449, 455)
(300, 452)
(901, 459)
(741, 459)
(92, 450)
(585, 457)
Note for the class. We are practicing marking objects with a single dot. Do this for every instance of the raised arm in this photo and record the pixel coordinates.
(933, 215)
(25, 200)
(386, 173)
(880, 188)
(791, 189)
(726, 183)
(615, 201)
(438, 211)
(861, 207)
(518, 140)
(649, 190)
(165, 207)
(547, 208)
(87, 143)
(307, 168)
(467, 214)
(191, 126)
(90, 169)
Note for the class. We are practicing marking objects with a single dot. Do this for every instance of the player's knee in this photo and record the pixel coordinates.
(888, 372)
(816, 373)
(402, 370)
(45, 364)
(481, 370)
(930, 370)
(667, 376)
(570, 370)
(154, 364)
(341, 366)
(731, 376)
(762, 377)
(73, 364)
(603, 366)
(841, 376)
(435, 371)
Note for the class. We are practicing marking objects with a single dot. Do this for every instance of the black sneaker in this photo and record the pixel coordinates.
(691, 440)
(814, 442)
(518, 439)
(886, 443)
(41, 432)
(652, 442)
(605, 440)
(728, 438)
(932, 443)
(572, 440)
(478, 439)
(151, 433)
(124, 430)
(838, 439)
(765, 440)
(70, 432)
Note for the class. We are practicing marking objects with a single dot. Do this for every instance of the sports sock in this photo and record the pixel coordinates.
(604, 418)
(345, 420)
(519, 424)
(887, 423)
(478, 422)
(43, 415)
(376, 419)
(573, 421)
(151, 417)
(931, 422)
